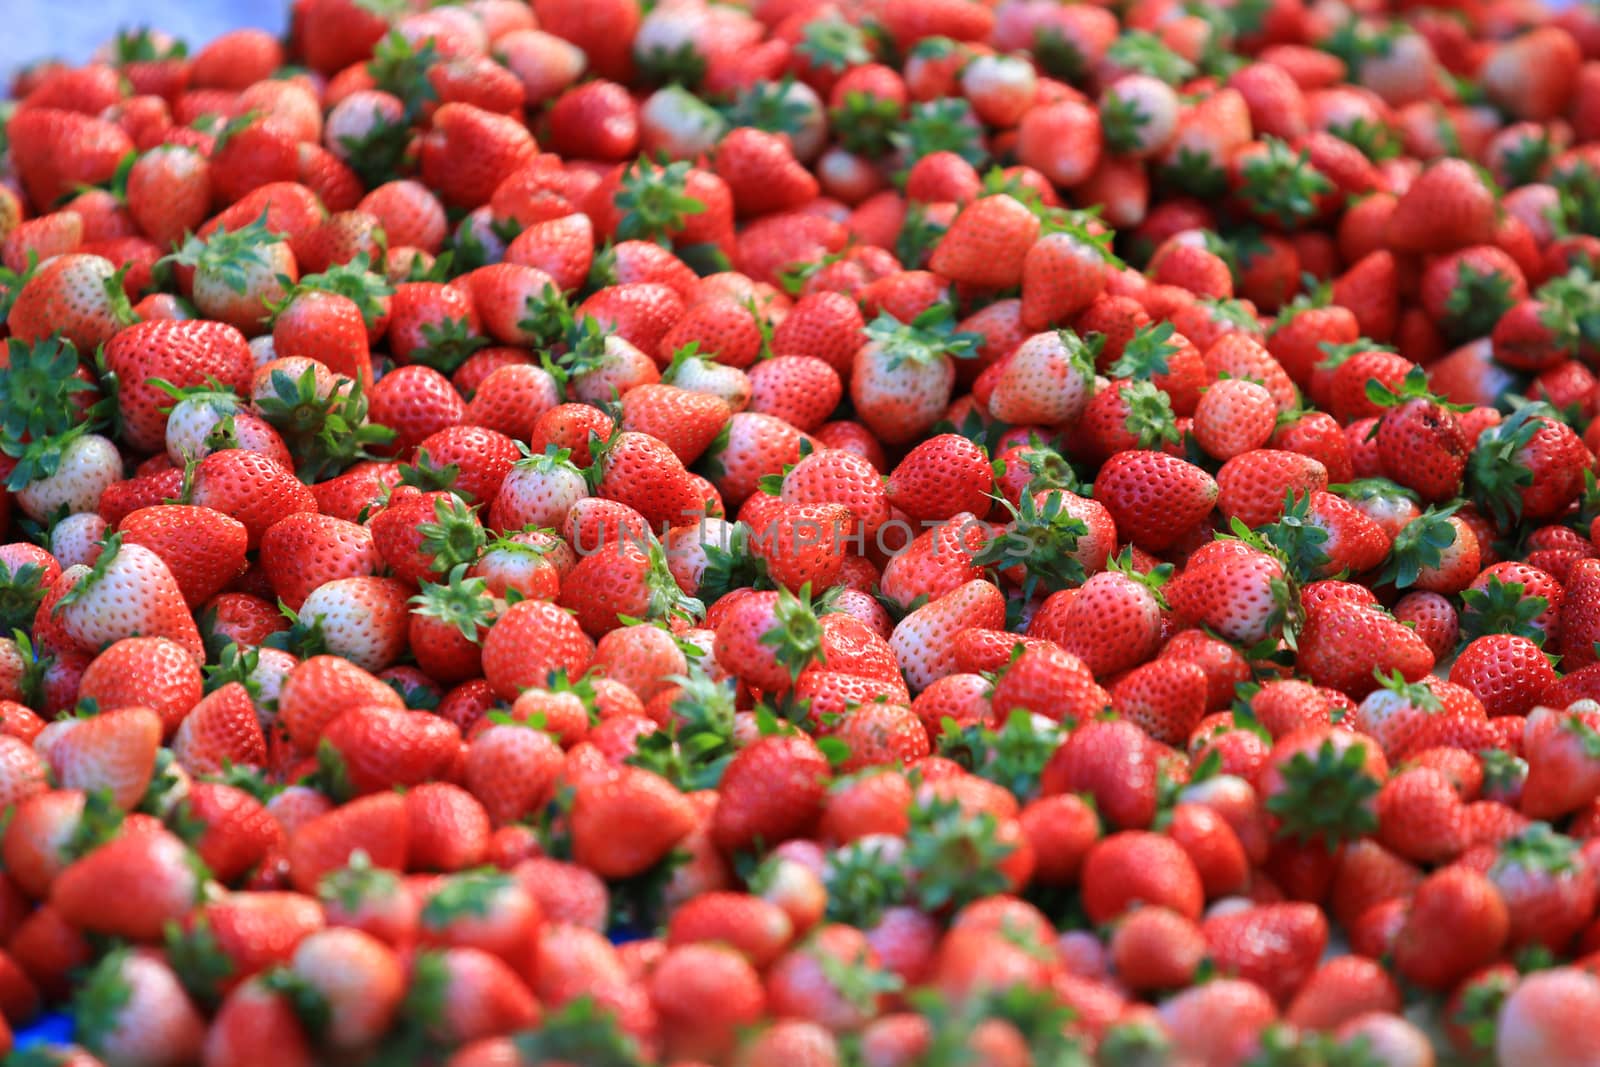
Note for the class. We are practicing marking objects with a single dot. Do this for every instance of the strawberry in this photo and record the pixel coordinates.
(1319, 784)
(250, 487)
(128, 591)
(1277, 946)
(903, 374)
(381, 748)
(204, 549)
(941, 477)
(359, 978)
(1154, 498)
(1112, 761)
(1528, 466)
(1021, 394)
(703, 995)
(80, 296)
(1165, 698)
(361, 618)
(533, 624)
(220, 730)
(131, 1008)
(1134, 868)
(771, 791)
(1458, 922)
(1221, 1021)
(1534, 1022)
(1548, 888)
(921, 640)
(181, 353)
(762, 173)
(1342, 644)
(252, 1019)
(376, 825)
(234, 274)
(58, 151)
(302, 551)
(160, 881)
(608, 836)
(147, 671)
(1533, 76)
(1446, 208)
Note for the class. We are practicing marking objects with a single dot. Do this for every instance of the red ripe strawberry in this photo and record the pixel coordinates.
(181, 353)
(987, 243)
(563, 248)
(1276, 946)
(1155, 498)
(1133, 868)
(254, 1020)
(415, 402)
(825, 325)
(1165, 698)
(128, 591)
(249, 487)
(57, 152)
(508, 660)
(801, 390)
(157, 879)
(686, 421)
(328, 327)
(382, 748)
(481, 457)
(941, 477)
(772, 790)
(1447, 207)
(376, 825)
(703, 995)
(221, 730)
(305, 550)
(644, 473)
(204, 549)
(239, 832)
(762, 173)
(319, 689)
(131, 1008)
(1342, 644)
(1533, 76)
(1458, 922)
(623, 825)
(469, 150)
(433, 324)
(512, 768)
(1114, 763)
(622, 579)
(1062, 273)
(1526, 467)
(1467, 291)
(1156, 948)
(1319, 783)
(150, 672)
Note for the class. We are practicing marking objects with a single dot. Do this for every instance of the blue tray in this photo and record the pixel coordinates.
(52, 1028)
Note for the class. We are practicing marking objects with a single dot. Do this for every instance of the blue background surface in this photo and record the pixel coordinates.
(35, 29)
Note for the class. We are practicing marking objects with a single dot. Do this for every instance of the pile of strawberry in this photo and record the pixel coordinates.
(806, 533)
